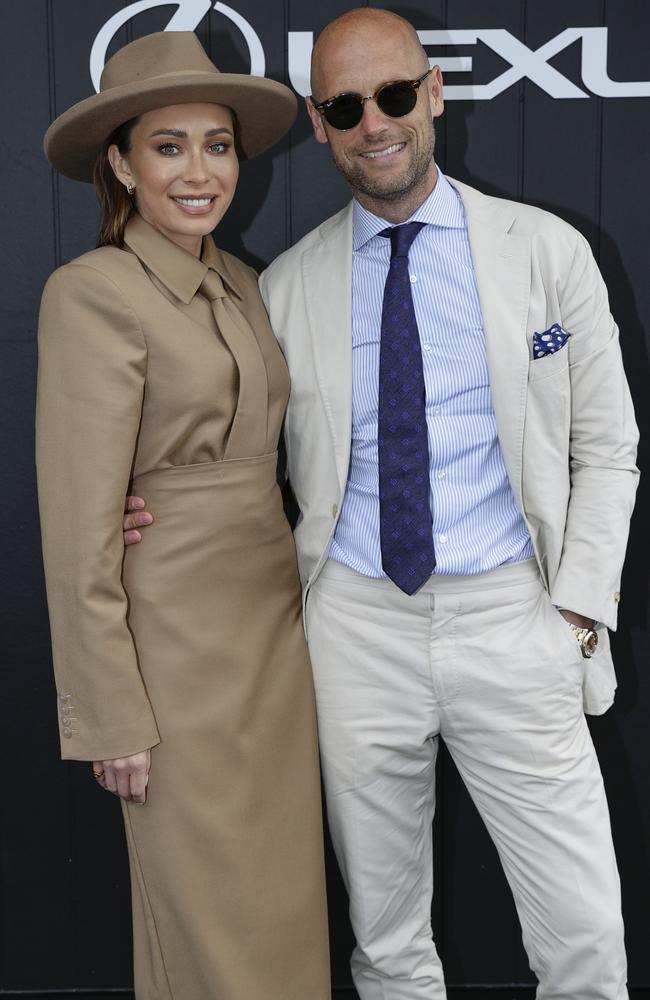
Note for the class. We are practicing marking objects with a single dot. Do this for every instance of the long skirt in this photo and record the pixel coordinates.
(226, 855)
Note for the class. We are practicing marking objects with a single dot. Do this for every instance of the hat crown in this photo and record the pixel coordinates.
(156, 55)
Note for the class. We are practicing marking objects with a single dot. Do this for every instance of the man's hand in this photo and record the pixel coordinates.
(135, 516)
(575, 619)
(125, 776)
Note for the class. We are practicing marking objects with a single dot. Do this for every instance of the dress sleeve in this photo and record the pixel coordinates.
(91, 376)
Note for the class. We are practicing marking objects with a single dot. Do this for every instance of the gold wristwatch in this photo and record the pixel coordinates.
(587, 638)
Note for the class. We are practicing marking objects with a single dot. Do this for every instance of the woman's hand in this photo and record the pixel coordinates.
(125, 776)
(135, 516)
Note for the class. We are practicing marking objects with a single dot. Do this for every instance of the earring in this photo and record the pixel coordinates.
(130, 188)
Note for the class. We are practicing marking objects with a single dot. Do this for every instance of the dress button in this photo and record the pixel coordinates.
(67, 734)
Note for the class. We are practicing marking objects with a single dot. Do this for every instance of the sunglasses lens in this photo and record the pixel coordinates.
(397, 99)
(344, 112)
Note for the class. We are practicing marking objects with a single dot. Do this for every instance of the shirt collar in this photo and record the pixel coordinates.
(181, 272)
(442, 208)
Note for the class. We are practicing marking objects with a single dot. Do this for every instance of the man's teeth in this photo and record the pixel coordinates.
(385, 152)
(193, 202)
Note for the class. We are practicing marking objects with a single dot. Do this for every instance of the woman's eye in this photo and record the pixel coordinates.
(169, 149)
(219, 147)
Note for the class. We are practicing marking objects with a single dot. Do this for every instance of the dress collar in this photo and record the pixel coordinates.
(179, 271)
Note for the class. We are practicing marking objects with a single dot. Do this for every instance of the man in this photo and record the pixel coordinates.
(461, 444)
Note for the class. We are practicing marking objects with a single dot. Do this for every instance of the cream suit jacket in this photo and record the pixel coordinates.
(565, 422)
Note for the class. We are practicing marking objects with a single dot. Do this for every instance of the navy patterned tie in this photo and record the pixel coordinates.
(407, 553)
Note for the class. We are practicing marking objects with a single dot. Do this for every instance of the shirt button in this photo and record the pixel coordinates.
(426, 347)
(413, 278)
(441, 474)
(436, 411)
(442, 538)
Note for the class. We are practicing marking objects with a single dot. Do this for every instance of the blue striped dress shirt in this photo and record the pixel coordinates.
(476, 523)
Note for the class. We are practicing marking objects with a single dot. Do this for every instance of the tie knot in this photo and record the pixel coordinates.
(401, 238)
(212, 286)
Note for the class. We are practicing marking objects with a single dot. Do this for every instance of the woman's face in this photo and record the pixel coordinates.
(184, 168)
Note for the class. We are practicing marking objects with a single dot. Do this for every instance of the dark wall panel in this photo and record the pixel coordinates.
(29, 862)
(622, 244)
(64, 903)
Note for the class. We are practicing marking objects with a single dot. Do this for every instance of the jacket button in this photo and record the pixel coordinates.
(67, 734)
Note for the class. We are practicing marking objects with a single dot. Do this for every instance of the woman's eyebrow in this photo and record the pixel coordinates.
(180, 133)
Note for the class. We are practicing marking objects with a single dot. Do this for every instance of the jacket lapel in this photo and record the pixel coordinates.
(502, 267)
(327, 278)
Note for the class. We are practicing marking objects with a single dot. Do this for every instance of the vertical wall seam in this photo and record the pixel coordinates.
(444, 15)
(54, 177)
(522, 109)
(598, 194)
(288, 155)
(128, 28)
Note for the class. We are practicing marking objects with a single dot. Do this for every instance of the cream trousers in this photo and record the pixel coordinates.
(487, 663)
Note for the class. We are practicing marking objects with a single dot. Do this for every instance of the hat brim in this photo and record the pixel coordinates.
(265, 110)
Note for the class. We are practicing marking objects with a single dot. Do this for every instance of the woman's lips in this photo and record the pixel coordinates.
(195, 204)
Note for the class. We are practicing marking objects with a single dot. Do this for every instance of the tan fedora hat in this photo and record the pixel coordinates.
(165, 68)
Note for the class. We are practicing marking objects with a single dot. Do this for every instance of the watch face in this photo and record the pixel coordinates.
(589, 643)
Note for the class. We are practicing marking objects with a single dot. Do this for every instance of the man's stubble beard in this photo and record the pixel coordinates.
(392, 189)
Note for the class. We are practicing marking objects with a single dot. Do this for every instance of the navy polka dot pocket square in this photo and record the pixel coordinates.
(552, 340)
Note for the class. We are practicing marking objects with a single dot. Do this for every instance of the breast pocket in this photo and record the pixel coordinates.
(549, 366)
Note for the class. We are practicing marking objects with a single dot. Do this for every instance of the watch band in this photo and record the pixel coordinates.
(587, 639)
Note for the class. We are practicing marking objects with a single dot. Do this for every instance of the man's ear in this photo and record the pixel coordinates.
(434, 87)
(120, 165)
(317, 121)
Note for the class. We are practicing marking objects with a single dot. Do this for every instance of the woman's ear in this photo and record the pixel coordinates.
(120, 165)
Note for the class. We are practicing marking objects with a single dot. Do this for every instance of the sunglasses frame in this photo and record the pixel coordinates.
(323, 106)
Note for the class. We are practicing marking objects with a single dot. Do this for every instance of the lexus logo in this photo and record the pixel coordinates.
(188, 16)
(523, 62)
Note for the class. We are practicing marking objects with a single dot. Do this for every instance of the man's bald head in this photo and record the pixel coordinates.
(387, 159)
(357, 30)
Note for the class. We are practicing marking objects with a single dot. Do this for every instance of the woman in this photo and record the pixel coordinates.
(182, 672)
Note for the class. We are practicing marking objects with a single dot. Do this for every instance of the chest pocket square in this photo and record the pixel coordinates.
(552, 340)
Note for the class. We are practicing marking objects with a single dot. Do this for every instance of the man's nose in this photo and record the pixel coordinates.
(373, 119)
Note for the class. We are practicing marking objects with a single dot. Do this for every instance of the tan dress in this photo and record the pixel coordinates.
(162, 368)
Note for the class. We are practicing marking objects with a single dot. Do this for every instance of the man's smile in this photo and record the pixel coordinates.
(387, 151)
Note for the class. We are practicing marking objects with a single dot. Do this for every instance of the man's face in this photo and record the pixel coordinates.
(382, 158)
